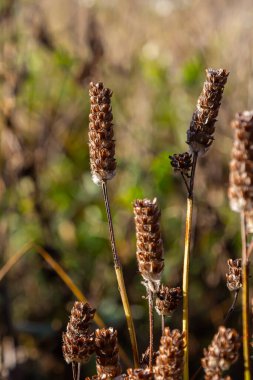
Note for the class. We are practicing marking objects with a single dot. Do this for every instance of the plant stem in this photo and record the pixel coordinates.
(232, 307)
(76, 370)
(187, 248)
(120, 279)
(151, 327)
(163, 324)
(245, 300)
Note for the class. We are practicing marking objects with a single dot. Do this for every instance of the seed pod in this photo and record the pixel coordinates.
(149, 241)
(202, 126)
(107, 351)
(221, 354)
(240, 191)
(78, 341)
(167, 299)
(234, 275)
(101, 142)
(169, 362)
(181, 162)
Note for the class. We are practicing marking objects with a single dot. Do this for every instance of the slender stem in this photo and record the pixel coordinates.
(120, 279)
(151, 327)
(185, 182)
(186, 286)
(245, 300)
(163, 323)
(232, 307)
(75, 370)
(186, 268)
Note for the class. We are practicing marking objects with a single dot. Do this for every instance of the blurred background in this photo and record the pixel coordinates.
(153, 55)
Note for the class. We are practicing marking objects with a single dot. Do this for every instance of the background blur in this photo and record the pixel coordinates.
(153, 54)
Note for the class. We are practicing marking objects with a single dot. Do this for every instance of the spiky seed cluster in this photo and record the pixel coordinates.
(107, 351)
(145, 357)
(234, 275)
(221, 354)
(181, 162)
(241, 166)
(202, 126)
(101, 142)
(169, 362)
(149, 241)
(139, 374)
(167, 299)
(78, 341)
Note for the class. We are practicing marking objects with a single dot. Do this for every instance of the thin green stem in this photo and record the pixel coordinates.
(120, 279)
(245, 300)
(163, 323)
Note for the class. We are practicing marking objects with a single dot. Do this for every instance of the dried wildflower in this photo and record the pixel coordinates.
(221, 354)
(107, 351)
(149, 241)
(201, 130)
(78, 341)
(181, 162)
(167, 299)
(169, 362)
(241, 166)
(139, 374)
(145, 357)
(234, 275)
(101, 142)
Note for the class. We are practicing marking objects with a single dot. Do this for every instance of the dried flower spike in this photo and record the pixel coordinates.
(169, 362)
(234, 275)
(149, 241)
(78, 341)
(101, 142)
(201, 130)
(107, 351)
(221, 354)
(181, 162)
(241, 166)
(167, 299)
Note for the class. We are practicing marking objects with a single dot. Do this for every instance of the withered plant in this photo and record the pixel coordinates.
(200, 136)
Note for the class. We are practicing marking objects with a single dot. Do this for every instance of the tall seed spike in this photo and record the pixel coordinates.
(202, 126)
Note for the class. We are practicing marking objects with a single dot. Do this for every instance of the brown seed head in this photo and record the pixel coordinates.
(234, 275)
(107, 351)
(181, 162)
(200, 133)
(149, 241)
(167, 299)
(240, 191)
(221, 354)
(169, 362)
(78, 341)
(101, 142)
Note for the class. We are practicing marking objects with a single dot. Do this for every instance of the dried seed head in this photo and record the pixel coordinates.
(139, 374)
(101, 142)
(234, 275)
(167, 299)
(145, 357)
(240, 191)
(78, 341)
(201, 130)
(107, 351)
(149, 241)
(169, 362)
(181, 162)
(221, 354)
